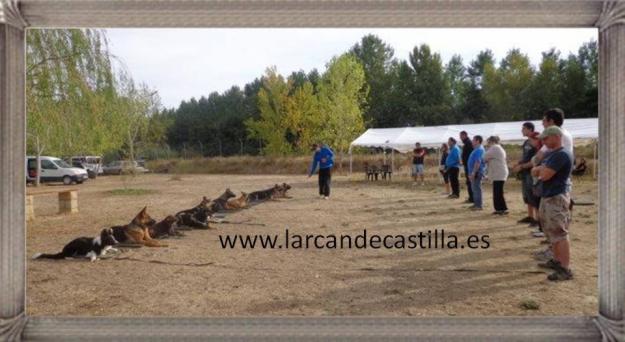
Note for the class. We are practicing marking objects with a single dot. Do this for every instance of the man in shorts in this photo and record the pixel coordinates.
(554, 213)
(418, 159)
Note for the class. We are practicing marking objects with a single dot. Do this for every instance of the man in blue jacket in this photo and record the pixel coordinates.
(476, 169)
(452, 166)
(325, 158)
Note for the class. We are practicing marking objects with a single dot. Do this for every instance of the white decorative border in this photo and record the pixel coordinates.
(607, 16)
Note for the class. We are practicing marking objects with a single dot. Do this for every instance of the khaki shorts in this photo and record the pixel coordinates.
(555, 217)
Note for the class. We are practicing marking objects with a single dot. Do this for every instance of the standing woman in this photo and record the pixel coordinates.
(442, 169)
(497, 172)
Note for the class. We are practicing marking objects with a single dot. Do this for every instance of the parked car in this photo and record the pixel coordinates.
(54, 170)
(119, 167)
(93, 164)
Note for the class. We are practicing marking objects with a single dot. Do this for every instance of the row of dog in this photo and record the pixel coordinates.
(144, 230)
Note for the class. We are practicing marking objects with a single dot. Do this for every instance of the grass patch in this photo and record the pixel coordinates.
(131, 192)
(529, 304)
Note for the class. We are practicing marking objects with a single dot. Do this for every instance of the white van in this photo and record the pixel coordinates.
(93, 164)
(54, 170)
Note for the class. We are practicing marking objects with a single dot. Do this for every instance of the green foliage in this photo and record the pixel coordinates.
(341, 97)
(294, 114)
(76, 103)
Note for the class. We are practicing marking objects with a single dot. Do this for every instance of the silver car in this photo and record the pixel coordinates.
(119, 167)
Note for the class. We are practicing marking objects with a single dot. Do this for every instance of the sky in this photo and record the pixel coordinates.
(185, 63)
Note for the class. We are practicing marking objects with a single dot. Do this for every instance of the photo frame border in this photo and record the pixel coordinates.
(16, 16)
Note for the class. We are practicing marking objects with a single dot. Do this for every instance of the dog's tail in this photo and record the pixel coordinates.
(49, 256)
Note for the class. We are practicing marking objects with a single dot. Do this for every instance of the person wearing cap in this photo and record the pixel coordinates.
(554, 213)
(324, 157)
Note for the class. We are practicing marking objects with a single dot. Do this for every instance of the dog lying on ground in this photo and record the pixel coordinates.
(165, 228)
(281, 191)
(263, 195)
(85, 247)
(196, 217)
(219, 204)
(237, 203)
(137, 231)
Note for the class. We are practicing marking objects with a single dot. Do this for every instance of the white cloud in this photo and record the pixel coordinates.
(185, 63)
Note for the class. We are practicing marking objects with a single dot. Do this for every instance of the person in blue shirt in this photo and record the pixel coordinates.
(476, 169)
(324, 157)
(554, 211)
(452, 167)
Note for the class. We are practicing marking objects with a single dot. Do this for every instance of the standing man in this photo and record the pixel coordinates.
(476, 171)
(452, 165)
(467, 148)
(554, 213)
(325, 158)
(418, 157)
(524, 167)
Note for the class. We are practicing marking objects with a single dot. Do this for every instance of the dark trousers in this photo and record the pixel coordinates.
(453, 180)
(325, 175)
(469, 190)
(499, 202)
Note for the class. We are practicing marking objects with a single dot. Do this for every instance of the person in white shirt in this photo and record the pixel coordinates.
(497, 172)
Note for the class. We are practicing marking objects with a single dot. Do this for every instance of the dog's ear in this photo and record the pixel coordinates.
(143, 211)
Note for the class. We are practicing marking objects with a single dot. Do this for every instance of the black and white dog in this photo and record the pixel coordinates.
(85, 247)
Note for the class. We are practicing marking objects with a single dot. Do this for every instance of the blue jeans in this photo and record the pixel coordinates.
(476, 186)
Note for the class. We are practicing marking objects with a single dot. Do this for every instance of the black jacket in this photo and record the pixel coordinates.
(466, 151)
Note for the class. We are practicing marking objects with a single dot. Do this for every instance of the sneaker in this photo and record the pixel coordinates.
(468, 201)
(326, 197)
(545, 255)
(526, 219)
(561, 274)
(500, 212)
(533, 224)
(453, 196)
(551, 264)
(538, 234)
(474, 208)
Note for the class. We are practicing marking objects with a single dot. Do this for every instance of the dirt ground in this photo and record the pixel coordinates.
(194, 276)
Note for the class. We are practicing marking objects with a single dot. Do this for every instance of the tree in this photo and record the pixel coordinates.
(70, 92)
(376, 58)
(271, 126)
(341, 99)
(546, 87)
(431, 92)
(456, 77)
(506, 88)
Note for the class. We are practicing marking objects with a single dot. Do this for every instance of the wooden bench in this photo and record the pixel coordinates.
(68, 201)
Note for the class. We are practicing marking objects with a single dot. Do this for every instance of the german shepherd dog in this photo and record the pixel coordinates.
(237, 203)
(137, 231)
(281, 191)
(196, 217)
(263, 195)
(85, 247)
(219, 204)
(165, 228)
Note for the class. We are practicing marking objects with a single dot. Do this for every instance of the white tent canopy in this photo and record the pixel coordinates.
(403, 139)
